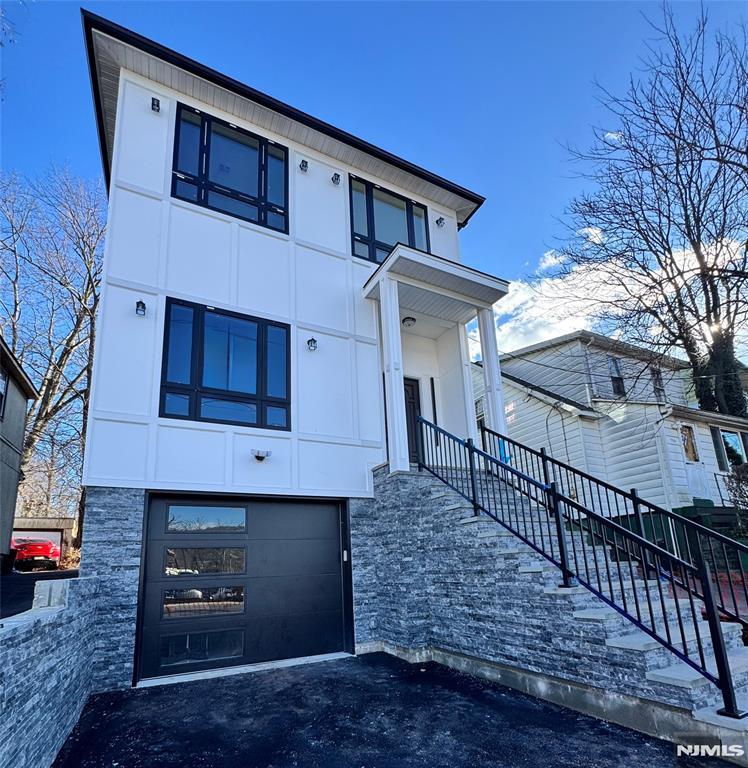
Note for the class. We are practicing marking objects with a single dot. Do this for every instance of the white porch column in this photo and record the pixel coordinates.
(494, 396)
(397, 429)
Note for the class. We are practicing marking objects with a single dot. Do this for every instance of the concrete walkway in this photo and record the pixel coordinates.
(373, 711)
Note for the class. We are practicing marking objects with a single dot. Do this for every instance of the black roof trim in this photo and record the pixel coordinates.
(92, 22)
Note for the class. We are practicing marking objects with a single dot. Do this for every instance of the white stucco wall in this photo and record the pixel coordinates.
(160, 247)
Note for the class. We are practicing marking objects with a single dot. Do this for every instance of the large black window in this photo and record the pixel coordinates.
(381, 219)
(220, 366)
(616, 377)
(227, 169)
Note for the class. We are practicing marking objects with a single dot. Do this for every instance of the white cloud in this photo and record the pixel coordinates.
(549, 260)
(592, 234)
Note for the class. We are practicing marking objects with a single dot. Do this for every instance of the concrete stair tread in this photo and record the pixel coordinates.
(683, 675)
(641, 641)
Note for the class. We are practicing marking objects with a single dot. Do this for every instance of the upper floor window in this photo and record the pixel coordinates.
(616, 377)
(381, 219)
(658, 386)
(224, 367)
(227, 169)
(3, 391)
(731, 447)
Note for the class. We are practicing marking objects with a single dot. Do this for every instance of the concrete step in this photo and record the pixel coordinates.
(641, 641)
(682, 675)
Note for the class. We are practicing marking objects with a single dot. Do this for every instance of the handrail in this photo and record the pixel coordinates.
(607, 558)
(615, 489)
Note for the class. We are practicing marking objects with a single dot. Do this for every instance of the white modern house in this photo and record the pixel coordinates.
(280, 301)
(281, 459)
(610, 409)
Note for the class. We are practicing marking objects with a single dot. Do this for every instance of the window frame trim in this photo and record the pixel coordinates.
(204, 185)
(195, 389)
(371, 242)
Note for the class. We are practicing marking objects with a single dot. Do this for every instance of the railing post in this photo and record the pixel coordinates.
(473, 484)
(419, 444)
(563, 555)
(546, 470)
(640, 523)
(483, 438)
(724, 674)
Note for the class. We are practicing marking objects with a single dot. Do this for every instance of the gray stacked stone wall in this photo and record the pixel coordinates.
(46, 663)
(428, 576)
(112, 546)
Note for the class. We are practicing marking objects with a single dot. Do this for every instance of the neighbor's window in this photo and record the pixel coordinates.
(658, 386)
(735, 444)
(616, 378)
(381, 219)
(224, 367)
(3, 391)
(227, 169)
(688, 438)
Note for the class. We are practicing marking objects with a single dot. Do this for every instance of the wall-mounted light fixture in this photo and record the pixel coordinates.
(140, 308)
(408, 322)
(335, 178)
(311, 344)
(155, 104)
(261, 455)
(440, 222)
(304, 166)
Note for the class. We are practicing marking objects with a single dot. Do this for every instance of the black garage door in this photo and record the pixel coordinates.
(231, 582)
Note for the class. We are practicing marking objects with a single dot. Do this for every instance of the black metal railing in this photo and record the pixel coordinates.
(727, 559)
(665, 595)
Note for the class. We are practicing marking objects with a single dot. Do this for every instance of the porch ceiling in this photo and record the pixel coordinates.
(431, 285)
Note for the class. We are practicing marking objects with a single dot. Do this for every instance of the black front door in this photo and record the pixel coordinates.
(412, 412)
(238, 581)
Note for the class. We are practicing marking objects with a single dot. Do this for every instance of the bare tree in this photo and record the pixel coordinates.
(659, 249)
(51, 242)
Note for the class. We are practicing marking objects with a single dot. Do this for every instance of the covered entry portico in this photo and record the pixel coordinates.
(425, 303)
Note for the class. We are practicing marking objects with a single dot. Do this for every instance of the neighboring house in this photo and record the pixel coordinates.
(280, 301)
(613, 410)
(16, 389)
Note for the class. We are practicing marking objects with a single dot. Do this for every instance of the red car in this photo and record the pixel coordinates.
(31, 553)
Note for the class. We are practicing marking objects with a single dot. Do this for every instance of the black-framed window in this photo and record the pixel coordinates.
(224, 367)
(3, 391)
(380, 219)
(658, 385)
(616, 377)
(225, 168)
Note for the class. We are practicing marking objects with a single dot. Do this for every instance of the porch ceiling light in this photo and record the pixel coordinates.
(408, 322)
(311, 344)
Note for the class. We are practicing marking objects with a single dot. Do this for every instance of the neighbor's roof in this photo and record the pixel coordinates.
(613, 345)
(110, 47)
(10, 363)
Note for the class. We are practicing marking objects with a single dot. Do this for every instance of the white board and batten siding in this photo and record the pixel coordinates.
(159, 247)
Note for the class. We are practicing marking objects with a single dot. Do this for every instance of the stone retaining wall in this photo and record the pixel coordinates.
(46, 661)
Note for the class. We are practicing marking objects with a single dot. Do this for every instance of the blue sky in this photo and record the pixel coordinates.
(486, 94)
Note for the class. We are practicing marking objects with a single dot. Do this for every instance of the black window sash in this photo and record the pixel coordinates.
(371, 240)
(195, 389)
(205, 185)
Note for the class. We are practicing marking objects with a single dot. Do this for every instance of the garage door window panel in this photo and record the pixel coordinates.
(201, 646)
(204, 561)
(189, 518)
(200, 601)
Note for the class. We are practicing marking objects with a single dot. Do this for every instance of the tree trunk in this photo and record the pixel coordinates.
(728, 391)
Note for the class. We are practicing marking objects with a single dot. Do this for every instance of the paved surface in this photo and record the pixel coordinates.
(17, 589)
(373, 711)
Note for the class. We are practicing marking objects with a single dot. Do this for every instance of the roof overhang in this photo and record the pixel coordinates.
(111, 48)
(436, 287)
(709, 417)
(10, 363)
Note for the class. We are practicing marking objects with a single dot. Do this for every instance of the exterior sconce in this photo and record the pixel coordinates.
(311, 344)
(304, 166)
(335, 178)
(140, 308)
(261, 455)
(408, 322)
(440, 222)
(155, 104)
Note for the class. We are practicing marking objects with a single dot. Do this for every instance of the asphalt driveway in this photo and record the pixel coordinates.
(373, 711)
